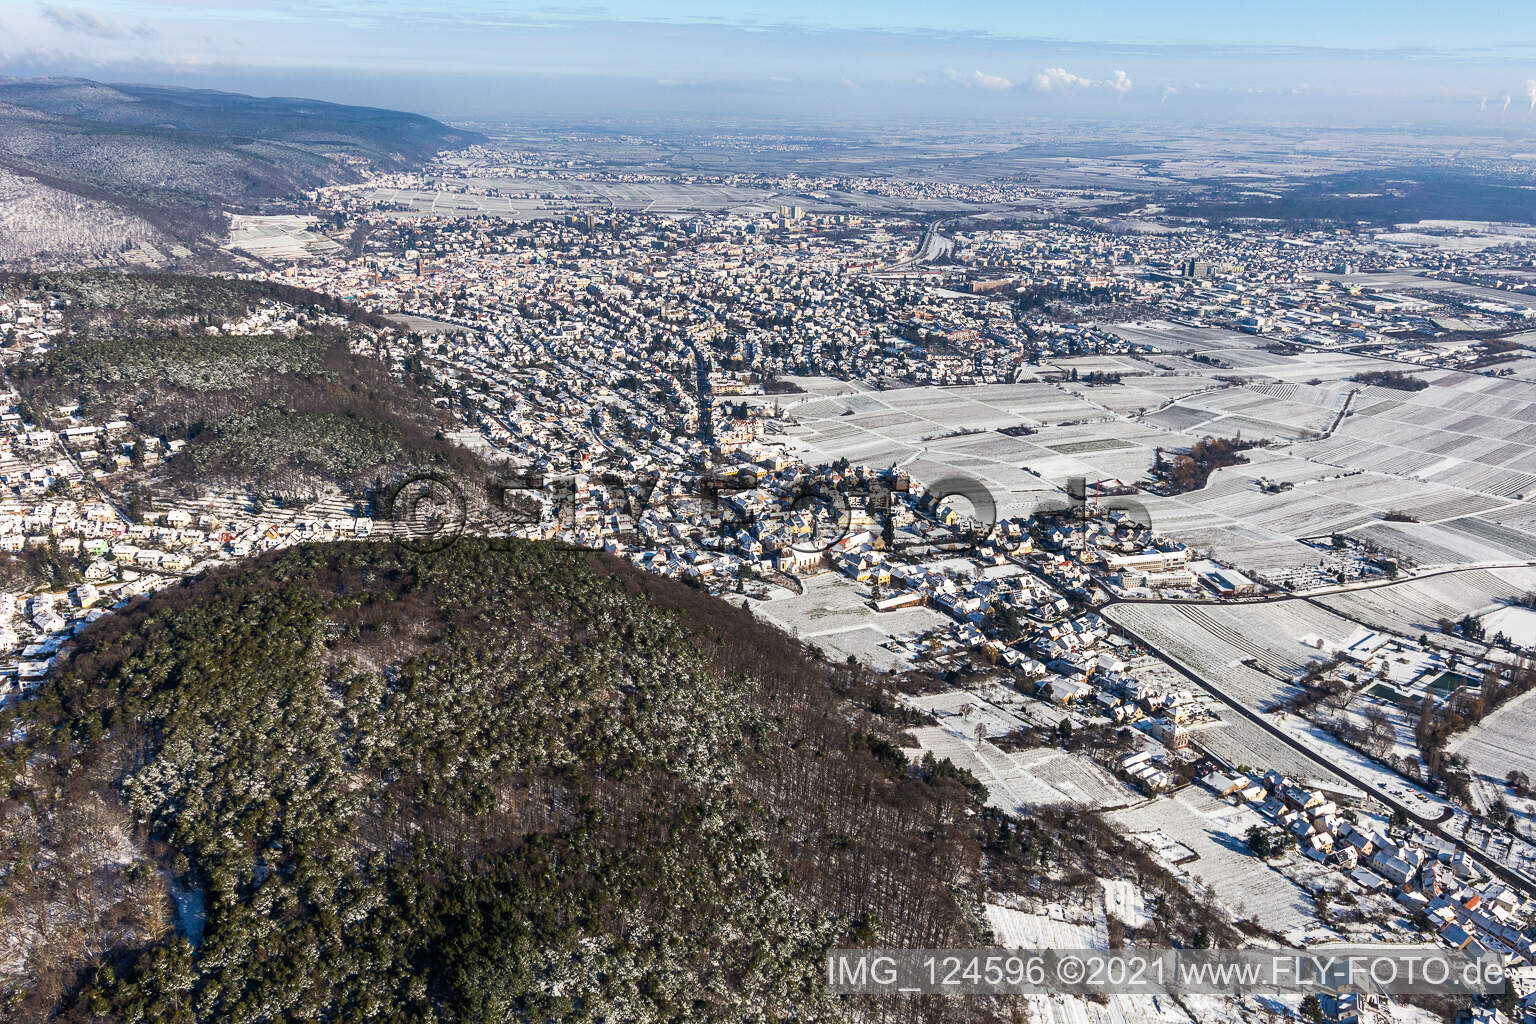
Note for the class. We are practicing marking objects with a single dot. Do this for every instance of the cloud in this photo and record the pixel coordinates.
(978, 80)
(1062, 80)
(80, 20)
(1168, 92)
(1482, 104)
(1054, 79)
(1530, 90)
(1507, 98)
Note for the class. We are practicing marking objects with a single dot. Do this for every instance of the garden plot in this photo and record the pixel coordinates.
(1213, 830)
(1505, 741)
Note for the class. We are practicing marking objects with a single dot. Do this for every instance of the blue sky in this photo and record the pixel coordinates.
(1197, 59)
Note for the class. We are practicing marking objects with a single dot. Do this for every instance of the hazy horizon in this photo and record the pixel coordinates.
(1312, 63)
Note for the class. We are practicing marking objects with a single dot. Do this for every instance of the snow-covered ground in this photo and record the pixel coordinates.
(1515, 622)
(1020, 780)
(1214, 830)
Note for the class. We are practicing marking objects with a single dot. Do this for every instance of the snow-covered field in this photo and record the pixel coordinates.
(1190, 636)
(1020, 780)
(1515, 622)
(1417, 606)
(1214, 830)
(1505, 741)
(1381, 780)
(282, 237)
(1017, 929)
(834, 615)
(1124, 901)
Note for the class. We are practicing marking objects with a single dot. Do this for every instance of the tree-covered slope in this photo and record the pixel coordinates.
(177, 157)
(291, 413)
(497, 782)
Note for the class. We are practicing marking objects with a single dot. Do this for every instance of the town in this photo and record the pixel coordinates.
(1120, 512)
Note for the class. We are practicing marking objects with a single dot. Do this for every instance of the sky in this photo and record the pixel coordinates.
(1340, 61)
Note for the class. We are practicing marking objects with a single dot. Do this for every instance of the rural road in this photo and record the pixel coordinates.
(1433, 825)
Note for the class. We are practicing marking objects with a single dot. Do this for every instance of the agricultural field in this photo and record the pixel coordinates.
(1413, 607)
(1213, 831)
(282, 238)
(833, 614)
(1074, 927)
(1240, 742)
(1503, 742)
(1020, 780)
(1282, 412)
(1473, 436)
(1214, 642)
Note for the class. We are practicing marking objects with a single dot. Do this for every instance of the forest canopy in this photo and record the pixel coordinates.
(501, 781)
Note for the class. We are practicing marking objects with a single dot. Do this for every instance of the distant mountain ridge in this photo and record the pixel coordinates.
(387, 137)
(175, 157)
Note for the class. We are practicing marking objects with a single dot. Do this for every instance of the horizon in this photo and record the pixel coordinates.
(1314, 64)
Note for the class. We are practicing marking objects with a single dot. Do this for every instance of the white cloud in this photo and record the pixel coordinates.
(1052, 79)
(1507, 98)
(1482, 104)
(1168, 93)
(978, 80)
(1530, 90)
(1062, 80)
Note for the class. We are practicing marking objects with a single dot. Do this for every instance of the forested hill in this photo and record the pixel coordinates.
(503, 781)
(176, 157)
(299, 404)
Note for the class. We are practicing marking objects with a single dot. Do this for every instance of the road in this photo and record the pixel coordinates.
(933, 246)
(1435, 825)
(1343, 588)
(1432, 825)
